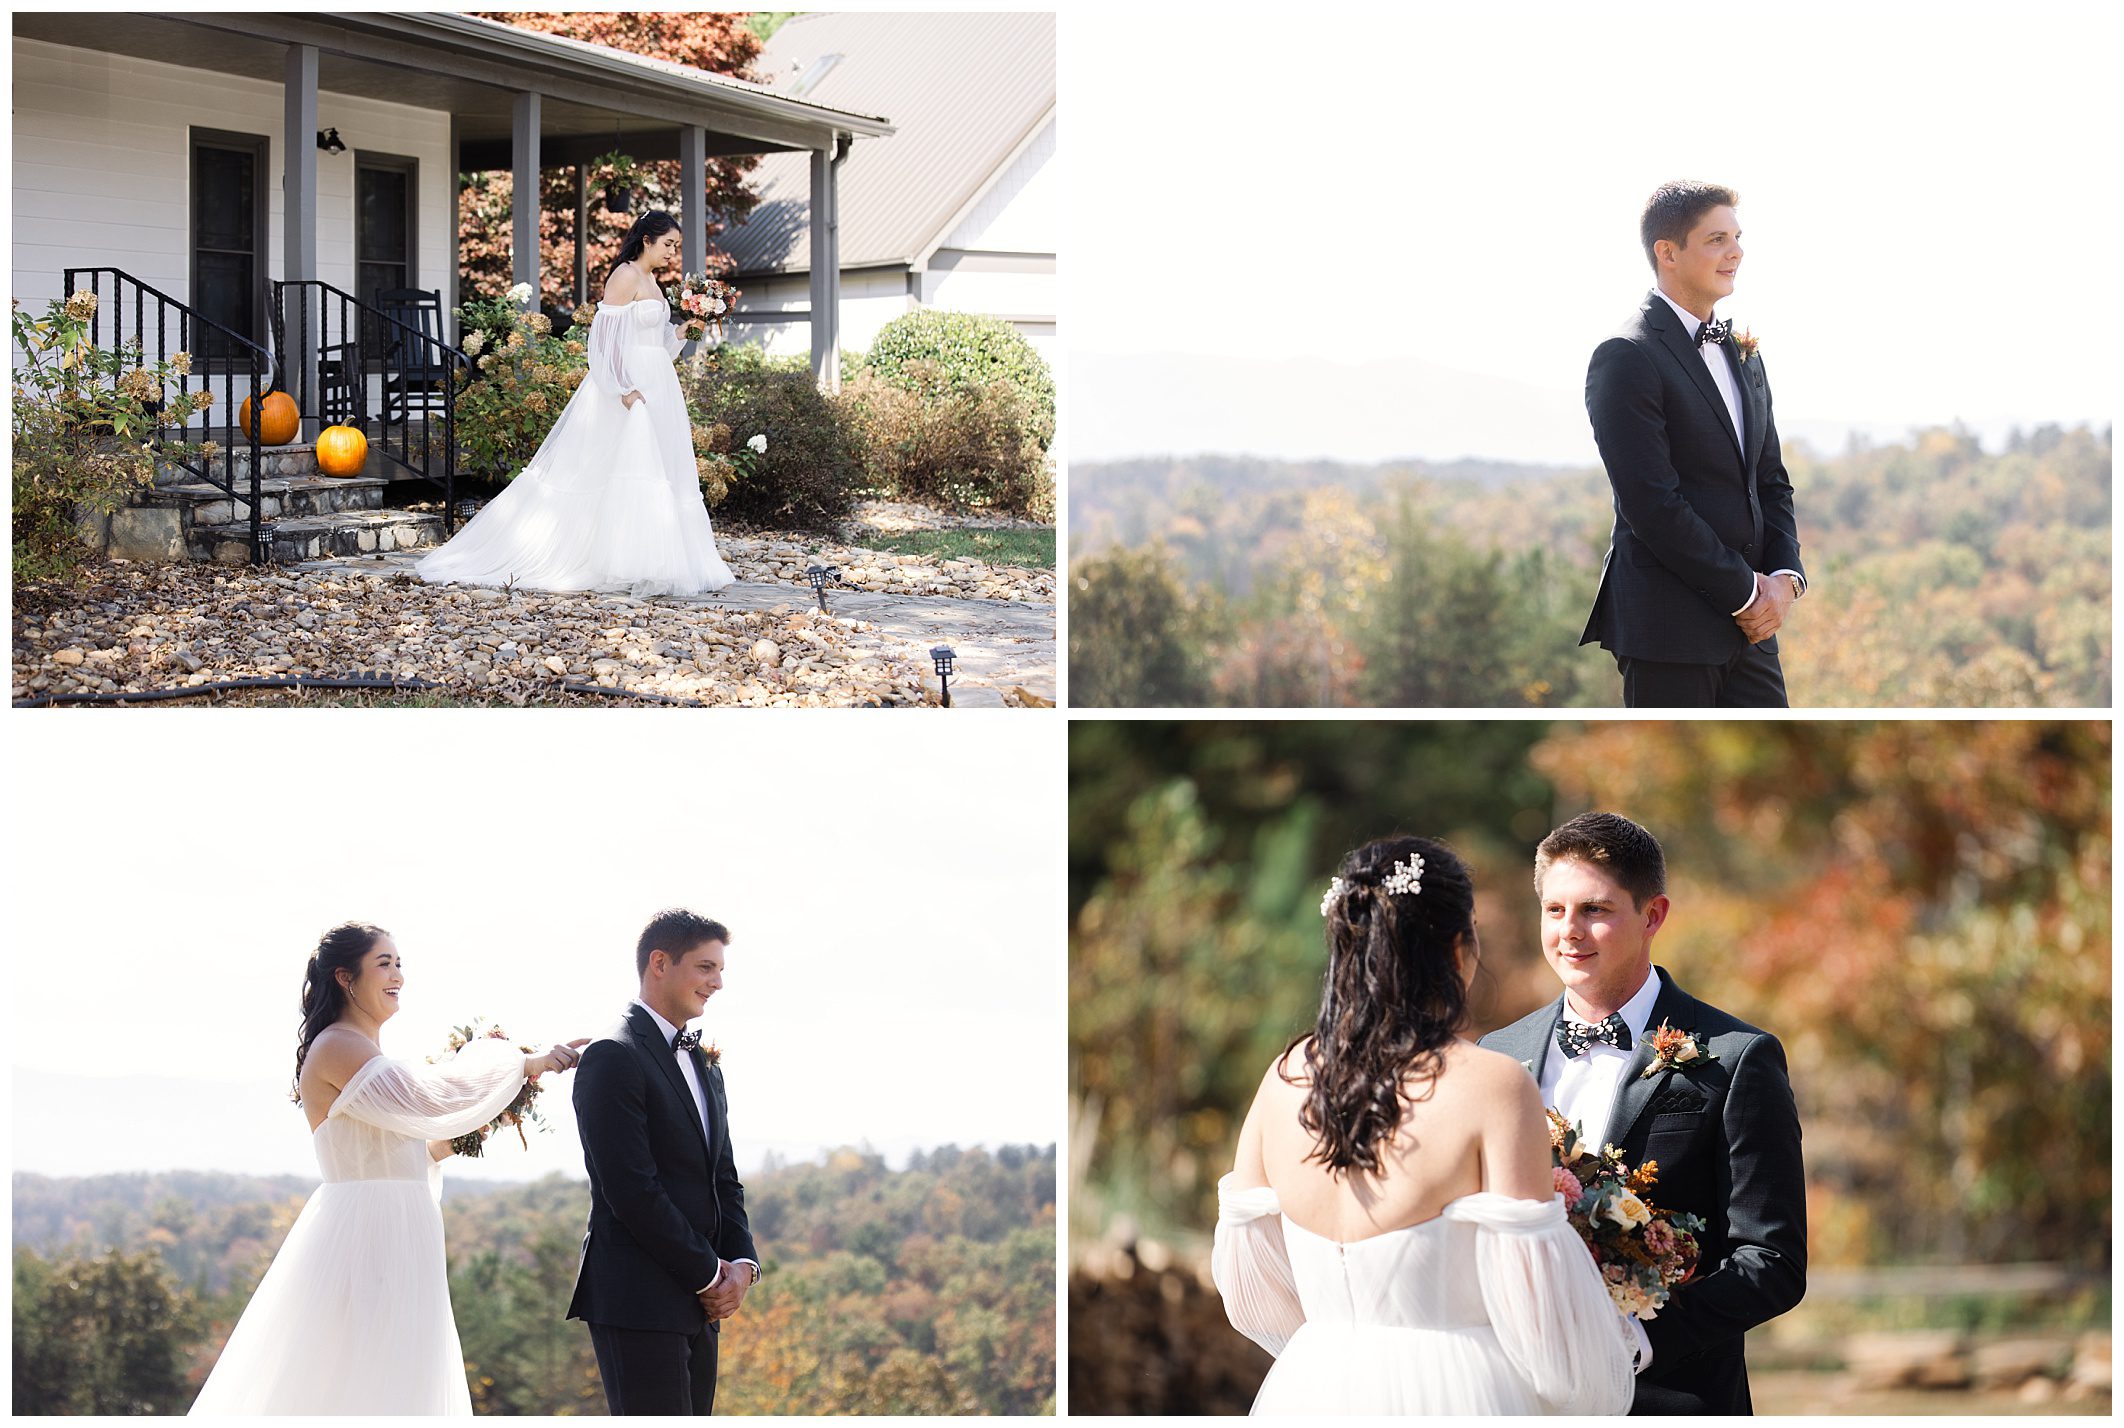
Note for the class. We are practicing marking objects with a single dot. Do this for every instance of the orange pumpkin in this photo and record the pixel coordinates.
(341, 451)
(279, 422)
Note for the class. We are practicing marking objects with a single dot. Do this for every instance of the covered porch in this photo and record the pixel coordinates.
(512, 100)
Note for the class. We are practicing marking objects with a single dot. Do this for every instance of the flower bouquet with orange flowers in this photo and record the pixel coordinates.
(516, 1113)
(1642, 1250)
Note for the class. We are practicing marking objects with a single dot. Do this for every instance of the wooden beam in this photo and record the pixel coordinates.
(298, 213)
(440, 44)
(561, 150)
(523, 201)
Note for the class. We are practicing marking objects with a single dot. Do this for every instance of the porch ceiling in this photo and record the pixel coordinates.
(368, 55)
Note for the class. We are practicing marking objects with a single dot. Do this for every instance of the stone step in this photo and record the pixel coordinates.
(299, 458)
(300, 538)
(278, 496)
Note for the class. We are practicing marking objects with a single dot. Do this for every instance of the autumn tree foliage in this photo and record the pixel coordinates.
(1918, 909)
(720, 43)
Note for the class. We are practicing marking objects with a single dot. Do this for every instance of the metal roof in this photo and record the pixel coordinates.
(964, 90)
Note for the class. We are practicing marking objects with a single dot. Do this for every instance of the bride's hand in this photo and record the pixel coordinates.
(629, 399)
(563, 1057)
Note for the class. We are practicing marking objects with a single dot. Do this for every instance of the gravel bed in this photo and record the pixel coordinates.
(137, 627)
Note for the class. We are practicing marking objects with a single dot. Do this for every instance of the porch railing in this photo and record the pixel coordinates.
(344, 341)
(163, 326)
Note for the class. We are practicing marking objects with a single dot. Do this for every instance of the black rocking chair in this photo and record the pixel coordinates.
(415, 373)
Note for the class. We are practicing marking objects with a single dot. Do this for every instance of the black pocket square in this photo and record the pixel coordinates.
(1675, 1100)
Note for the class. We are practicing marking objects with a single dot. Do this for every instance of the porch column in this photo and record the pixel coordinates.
(826, 264)
(523, 203)
(582, 237)
(457, 256)
(298, 259)
(693, 200)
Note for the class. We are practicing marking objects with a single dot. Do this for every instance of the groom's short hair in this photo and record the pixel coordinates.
(675, 932)
(1609, 841)
(1673, 209)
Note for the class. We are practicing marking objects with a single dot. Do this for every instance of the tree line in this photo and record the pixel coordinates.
(923, 1290)
(1942, 575)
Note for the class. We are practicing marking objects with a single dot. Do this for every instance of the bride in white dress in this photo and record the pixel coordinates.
(353, 1316)
(612, 499)
(1391, 1231)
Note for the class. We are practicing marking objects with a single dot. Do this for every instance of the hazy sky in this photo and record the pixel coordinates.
(1928, 206)
(891, 886)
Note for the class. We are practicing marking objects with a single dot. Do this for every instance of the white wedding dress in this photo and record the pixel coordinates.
(353, 1316)
(1494, 1306)
(611, 500)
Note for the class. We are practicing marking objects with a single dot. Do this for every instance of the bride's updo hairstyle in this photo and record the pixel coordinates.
(1393, 997)
(323, 999)
(646, 230)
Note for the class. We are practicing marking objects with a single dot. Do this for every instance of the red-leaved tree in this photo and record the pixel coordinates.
(711, 41)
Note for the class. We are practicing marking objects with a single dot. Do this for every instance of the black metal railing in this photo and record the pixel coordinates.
(342, 342)
(238, 361)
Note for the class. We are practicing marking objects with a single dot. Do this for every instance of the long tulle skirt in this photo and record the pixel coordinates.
(611, 501)
(1339, 1368)
(352, 1317)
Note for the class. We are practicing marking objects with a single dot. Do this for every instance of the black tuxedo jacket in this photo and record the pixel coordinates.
(1695, 515)
(1727, 1139)
(665, 1201)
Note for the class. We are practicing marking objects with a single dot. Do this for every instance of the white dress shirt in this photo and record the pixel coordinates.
(700, 1107)
(1585, 1088)
(1721, 370)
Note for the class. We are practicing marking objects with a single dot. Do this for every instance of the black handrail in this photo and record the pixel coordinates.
(351, 365)
(241, 354)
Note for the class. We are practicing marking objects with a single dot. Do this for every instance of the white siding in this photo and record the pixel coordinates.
(1021, 212)
(870, 298)
(102, 168)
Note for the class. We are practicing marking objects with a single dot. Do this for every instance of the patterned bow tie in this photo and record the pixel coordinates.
(1713, 331)
(1574, 1037)
(687, 1041)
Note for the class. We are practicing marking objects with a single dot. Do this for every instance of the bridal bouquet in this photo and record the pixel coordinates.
(518, 1111)
(1642, 1251)
(701, 299)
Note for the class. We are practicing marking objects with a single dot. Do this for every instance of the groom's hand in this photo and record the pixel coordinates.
(722, 1301)
(1773, 597)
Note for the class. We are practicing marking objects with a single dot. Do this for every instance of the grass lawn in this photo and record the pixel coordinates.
(1032, 548)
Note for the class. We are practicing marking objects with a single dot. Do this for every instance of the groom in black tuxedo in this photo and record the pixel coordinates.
(1721, 1123)
(668, 1255)
(1704, 562)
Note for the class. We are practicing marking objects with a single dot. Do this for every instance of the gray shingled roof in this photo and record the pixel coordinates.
(963, 91)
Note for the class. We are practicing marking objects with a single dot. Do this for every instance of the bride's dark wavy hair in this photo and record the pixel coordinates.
(646, 230)
(323, 999)
(1393, 997)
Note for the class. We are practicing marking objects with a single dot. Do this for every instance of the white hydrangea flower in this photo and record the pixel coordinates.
(520, 293)
(759, 443)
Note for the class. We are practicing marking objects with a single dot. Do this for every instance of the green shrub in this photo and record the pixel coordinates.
(522, 375)
(808, 477)
(964, 350)
(972, 448)
(86, 424)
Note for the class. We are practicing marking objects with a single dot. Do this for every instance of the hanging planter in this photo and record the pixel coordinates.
(623, 180)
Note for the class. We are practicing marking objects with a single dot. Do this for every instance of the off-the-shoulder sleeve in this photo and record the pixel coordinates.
(1545, 1298)
(439, 1102)
(1251, 1267)
(608, 349)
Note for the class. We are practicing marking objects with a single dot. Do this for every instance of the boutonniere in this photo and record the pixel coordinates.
(712, 1053)
(1746, 344)
(1672, 1048)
